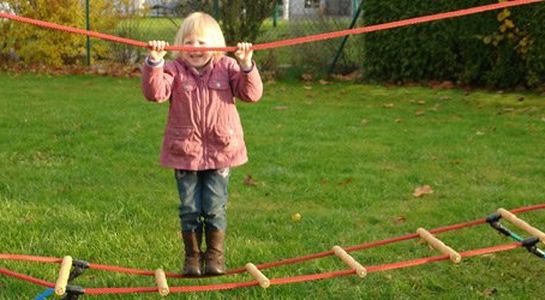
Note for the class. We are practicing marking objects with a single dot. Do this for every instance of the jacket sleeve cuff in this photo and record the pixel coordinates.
(250, 69)
(154, 64)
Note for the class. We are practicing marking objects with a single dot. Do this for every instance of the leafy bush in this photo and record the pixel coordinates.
(38, 45)
(499, 48)
(241, 20)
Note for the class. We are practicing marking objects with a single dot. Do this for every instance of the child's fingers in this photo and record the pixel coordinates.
(244, 47)
(157, 45)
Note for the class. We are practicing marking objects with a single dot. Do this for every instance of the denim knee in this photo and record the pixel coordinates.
(190, 208)
(214, 199)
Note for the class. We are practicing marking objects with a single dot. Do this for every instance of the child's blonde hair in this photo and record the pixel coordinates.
(202, 24)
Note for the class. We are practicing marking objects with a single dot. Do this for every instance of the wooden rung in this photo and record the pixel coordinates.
(350, 261)
(521, 224)
(455, 257)
(264, 282)
(64, 274)
(161, 280)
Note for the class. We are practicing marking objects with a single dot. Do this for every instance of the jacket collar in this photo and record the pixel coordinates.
(204, 71)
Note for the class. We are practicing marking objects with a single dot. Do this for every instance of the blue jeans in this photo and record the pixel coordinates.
(203, 197)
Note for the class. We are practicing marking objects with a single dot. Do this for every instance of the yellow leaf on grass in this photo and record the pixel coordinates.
(422, 190)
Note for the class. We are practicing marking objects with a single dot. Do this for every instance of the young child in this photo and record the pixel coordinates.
(203, 137)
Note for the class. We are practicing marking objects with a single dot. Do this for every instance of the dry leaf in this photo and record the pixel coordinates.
(307, 77)
(388, 105)
(307, 87)
(323, 82)
(490, 292)
(248, 180)
(422, 190)
(400, 219)
(346, 181)
(421, 102)
(419, 113)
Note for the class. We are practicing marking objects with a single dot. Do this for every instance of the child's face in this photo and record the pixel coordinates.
(196, 59)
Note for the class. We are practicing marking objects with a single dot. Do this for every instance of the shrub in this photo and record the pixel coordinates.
(499, 48)
(241, 20)
(38, 45)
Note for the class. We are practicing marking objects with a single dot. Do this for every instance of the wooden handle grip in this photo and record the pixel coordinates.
(521, 224)
(350, 261)
(455, 257)
(264, 282)
(161, 280)
(64, 274)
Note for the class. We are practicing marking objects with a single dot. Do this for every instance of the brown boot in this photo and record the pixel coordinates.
(193, 253)
(214, 257)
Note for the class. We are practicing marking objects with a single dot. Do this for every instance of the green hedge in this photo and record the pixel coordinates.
(502, 49)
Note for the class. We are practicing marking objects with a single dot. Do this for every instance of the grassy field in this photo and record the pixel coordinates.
(80, 176)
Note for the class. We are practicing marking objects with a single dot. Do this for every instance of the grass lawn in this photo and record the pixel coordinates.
(80, 176)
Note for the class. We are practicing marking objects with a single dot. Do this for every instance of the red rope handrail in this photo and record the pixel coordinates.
(282, 43)
(275, 281)
(368, 245)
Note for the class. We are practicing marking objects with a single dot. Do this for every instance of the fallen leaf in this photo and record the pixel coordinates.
(422, 190)
(248, 180)
(490, 292)
(421, 102)
(347, 77)
(388, 105)
(400, 219)
(442, 85)
(323, 82)
(307, 77)
(307, 87)
(346, 181)
(419, 113)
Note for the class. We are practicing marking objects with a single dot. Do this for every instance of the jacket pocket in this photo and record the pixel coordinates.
(182, 141)
(219, 85)
(226, 139)
(219, 82)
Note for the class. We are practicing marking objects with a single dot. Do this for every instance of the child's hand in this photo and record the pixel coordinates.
(157, 50)
(244, 55)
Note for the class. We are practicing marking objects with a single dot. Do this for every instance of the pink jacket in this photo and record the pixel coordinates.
(203, 129)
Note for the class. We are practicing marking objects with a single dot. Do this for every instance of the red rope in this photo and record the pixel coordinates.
(288, 42)
(5, 256)
(294, 279)
(27, 278)
(304, 278)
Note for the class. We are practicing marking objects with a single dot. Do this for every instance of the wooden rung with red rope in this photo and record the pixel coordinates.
(522, 224)
(438, 245)
(161, 281)
(264, 282)
(64, 275)
(350, 261)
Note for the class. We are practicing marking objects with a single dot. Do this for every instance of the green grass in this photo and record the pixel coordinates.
(80, 177)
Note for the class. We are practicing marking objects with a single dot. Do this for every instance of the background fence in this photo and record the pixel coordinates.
(293, 18)
(501, 48)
